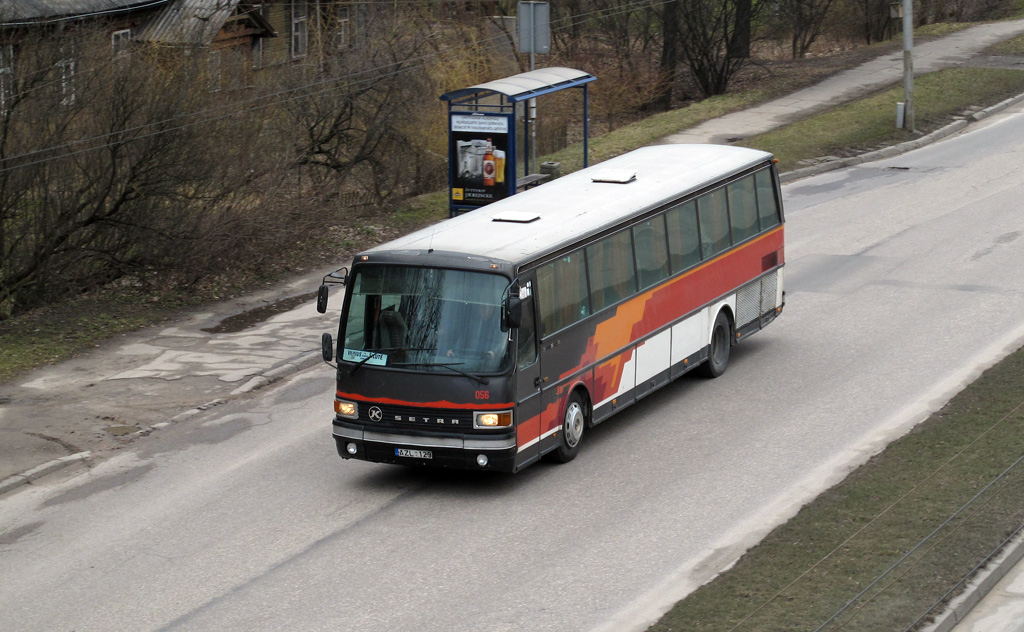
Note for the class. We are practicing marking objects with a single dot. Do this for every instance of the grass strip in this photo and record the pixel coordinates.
(56, 332)
(654, 128)
(879, 550)
(1012, 46)
(870, 123)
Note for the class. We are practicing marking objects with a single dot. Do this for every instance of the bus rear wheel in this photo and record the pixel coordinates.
(574, 422)
(721, 345)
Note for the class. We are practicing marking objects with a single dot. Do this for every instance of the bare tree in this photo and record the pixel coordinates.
(873, 15)
(711, 41)
(100, 174)
(806, 19)
(357, 119)
(669, 55)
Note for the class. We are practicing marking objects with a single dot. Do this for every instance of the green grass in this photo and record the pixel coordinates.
(423, 209)
(653, 128)
(807, 570)
(1013, 46)
(56, 333)
(869, 123)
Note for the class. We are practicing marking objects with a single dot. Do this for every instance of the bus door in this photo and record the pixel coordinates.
(527, 378)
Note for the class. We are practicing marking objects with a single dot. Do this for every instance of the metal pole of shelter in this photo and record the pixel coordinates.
(586, 129)
(532, 103)
(526, 137)
(908, 64)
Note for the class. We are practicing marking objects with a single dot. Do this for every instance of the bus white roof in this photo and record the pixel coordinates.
(576, 205)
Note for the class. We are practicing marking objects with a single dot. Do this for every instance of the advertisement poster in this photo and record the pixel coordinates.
(480, 158)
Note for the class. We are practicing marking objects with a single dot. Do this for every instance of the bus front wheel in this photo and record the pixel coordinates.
(721, 345)
(573, 424)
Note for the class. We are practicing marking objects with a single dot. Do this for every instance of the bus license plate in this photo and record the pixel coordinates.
(415, 454)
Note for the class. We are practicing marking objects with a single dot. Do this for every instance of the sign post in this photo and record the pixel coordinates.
(534, 37)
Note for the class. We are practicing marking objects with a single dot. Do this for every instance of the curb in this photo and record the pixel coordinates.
(39, 471)
(266, 378)
(303, 361)
(980, 587)
(901, 148)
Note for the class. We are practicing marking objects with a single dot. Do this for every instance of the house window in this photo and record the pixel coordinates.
(300, 35)
(119, 41)
(257, 42)
(213, 70)
(66, 68)
(6, 76)
(341, 27)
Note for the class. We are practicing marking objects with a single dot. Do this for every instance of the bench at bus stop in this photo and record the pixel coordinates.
(531, 180)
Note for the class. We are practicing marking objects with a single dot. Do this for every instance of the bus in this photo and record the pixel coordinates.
(501, 336)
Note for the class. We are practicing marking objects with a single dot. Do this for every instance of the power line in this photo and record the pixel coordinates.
(82, 16)
(211, 115)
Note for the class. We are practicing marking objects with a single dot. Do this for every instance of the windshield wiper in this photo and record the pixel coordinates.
(374, 352)
(450, 366)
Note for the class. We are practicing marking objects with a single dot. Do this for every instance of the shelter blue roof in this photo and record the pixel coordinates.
(525, 85)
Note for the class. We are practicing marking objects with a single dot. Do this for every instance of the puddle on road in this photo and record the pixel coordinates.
(121, 430)
(8, 538)
(255, 316)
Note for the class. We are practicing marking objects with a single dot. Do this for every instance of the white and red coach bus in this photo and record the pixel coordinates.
(498, 337)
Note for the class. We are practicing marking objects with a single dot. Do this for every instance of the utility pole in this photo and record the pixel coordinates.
(908, 65)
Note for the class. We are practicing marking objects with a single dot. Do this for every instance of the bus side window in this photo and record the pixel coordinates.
(766, 207)
(562, 290)
(357, 332)
(683, 236)
(651, 250)
(742, 209)
(527, 336)
(713, 215)
(610, 270)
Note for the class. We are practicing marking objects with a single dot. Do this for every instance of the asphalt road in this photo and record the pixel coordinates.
(903, 283)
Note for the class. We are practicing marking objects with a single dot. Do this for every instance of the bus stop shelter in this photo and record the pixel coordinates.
(482, 134)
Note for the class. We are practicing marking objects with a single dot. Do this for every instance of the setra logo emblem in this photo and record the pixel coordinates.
(375, 413)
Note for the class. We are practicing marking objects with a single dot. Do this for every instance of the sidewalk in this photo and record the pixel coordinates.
(952, 50)
(85, 408)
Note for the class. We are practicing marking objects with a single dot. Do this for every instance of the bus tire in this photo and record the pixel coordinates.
(574, 422)
(721, 345)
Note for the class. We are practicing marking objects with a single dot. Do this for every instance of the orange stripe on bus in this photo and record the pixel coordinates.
(664, 304)
(438, 404)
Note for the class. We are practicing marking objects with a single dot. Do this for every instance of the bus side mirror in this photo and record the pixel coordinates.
(321, 300)
(338, 277)
(514, 316)
(327, 347)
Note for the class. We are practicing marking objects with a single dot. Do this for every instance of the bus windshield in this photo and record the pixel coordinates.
(426, 319)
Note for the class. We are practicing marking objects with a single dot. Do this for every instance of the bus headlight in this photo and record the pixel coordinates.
(502, 419)
(346, 409)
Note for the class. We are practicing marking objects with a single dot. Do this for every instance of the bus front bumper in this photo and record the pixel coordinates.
(469, 452)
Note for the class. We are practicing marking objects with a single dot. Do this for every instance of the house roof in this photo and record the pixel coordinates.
(195, 22)
(26, 12)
